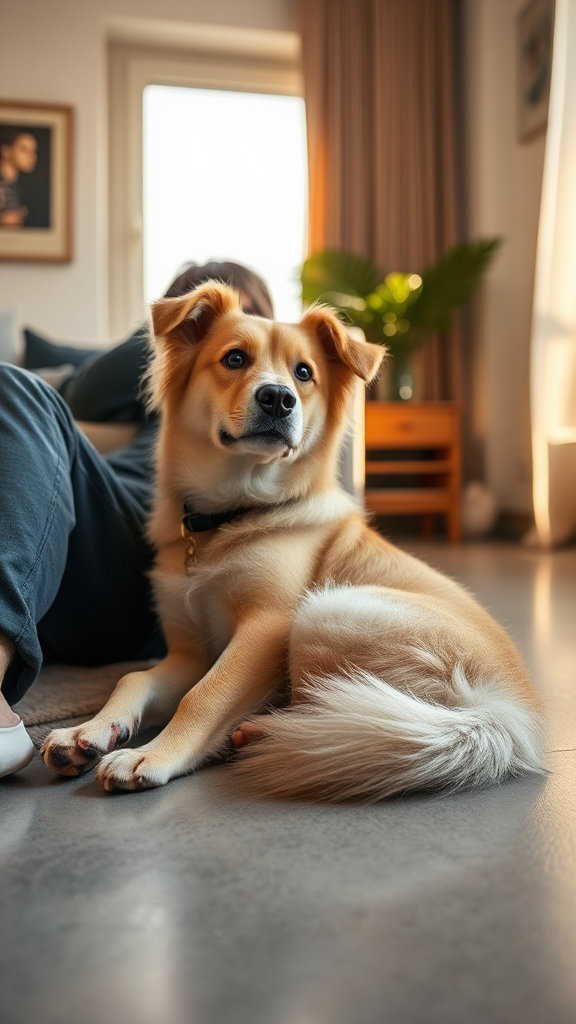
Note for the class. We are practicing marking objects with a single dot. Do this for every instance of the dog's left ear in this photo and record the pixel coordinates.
(362, 357)
(189, 317)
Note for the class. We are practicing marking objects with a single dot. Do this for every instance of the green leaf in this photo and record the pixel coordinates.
(332, 275)
(400, 309)
(451, 282)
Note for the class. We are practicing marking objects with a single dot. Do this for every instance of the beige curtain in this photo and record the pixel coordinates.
(379, 97)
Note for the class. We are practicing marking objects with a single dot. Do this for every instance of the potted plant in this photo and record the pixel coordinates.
(397, 310)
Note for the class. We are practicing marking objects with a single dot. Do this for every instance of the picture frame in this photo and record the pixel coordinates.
(36, 181)
(534, 40)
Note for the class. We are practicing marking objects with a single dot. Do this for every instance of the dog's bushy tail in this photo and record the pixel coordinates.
(355, 737)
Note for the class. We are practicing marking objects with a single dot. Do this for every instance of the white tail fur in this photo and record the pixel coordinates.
(356, 737)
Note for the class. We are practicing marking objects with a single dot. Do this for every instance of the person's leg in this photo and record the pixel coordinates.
(103, 611)
(35, 517)
(72, 554)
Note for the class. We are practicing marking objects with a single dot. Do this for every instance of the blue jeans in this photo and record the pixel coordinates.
(73, 556)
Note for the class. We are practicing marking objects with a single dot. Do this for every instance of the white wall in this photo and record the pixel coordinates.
(55, 50)
(504, 185)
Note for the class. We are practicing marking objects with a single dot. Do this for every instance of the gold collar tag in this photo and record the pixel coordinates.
(190, 557)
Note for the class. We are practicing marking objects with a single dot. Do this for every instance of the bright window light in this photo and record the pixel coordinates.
(225, 178)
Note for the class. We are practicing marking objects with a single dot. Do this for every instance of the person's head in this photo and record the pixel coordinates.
(253, 291)
(18, 149)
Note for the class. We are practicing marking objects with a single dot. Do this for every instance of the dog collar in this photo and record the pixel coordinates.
(196, 522)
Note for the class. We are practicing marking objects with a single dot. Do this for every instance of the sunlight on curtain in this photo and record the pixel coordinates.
(379, 90)
(553, 365)
(225, 178)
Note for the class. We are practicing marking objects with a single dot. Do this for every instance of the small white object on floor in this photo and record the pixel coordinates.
(479, 509)
(16, 749)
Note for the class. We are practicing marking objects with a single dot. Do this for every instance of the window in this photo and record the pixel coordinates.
(250, 77)
(224, 178)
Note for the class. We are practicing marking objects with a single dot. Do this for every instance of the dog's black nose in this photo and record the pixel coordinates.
(275, 400)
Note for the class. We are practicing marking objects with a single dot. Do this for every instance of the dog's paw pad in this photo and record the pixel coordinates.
(246, 732)
(90, 752)
(75, 751)
(59, 758)
(65, 756)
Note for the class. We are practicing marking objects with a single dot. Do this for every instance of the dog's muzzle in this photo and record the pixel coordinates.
(274, 421)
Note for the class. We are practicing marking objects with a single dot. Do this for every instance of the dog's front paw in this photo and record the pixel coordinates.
(133, 770)
(76, 750)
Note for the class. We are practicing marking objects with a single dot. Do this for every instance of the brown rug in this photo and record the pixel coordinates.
(67, 695)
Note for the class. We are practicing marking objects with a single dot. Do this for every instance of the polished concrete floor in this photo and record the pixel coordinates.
(196, 905)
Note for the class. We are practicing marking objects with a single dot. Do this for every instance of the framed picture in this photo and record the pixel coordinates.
(35, 181)
(535, 30)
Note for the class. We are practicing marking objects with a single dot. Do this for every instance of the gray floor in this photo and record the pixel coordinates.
(194, 905)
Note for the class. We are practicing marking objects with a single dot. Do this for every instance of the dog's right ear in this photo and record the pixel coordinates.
(188, 318)
(363, 357)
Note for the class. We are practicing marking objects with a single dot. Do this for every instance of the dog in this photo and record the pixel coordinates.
(377, 675)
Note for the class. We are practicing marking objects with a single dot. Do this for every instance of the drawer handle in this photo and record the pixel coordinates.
(405, 425)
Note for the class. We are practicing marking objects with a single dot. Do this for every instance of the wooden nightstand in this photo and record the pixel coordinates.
(413, 460)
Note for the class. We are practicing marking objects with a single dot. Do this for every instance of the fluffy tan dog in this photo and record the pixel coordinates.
(270, 586)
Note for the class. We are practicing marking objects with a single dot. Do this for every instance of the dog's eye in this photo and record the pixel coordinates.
(235, 359)
(303, 372)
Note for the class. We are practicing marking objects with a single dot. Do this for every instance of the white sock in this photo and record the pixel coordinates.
(16, 749)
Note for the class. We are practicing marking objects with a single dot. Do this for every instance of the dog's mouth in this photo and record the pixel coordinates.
(268, 438)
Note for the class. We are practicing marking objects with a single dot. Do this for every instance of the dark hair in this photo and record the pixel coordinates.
(238, 277)
(10, 132)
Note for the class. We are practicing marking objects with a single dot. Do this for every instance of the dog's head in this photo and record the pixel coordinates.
(246, 386)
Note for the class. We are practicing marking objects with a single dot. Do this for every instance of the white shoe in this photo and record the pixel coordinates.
(16, 749)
